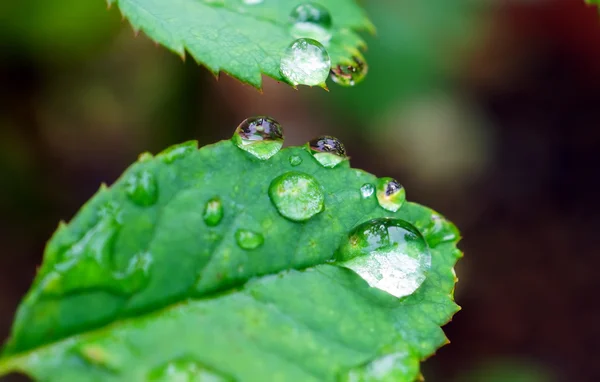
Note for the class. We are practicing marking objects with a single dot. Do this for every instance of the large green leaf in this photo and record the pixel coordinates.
(146, 280)
(237, 37)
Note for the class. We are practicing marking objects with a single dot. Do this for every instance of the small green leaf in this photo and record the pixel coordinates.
(242, 38)
(206, 277)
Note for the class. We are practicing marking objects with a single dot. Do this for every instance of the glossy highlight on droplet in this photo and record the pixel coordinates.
(248, 240)
(213, 212)
(327, 150)
(389, 254)
(141, 188)
(350, 74)
(390, 194)
(305, 62)
(311, 20)
(297, 196)
(260, 136)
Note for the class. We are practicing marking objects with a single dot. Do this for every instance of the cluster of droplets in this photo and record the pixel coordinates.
(306, 60)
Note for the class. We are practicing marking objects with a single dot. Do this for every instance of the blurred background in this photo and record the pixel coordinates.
(486, 110)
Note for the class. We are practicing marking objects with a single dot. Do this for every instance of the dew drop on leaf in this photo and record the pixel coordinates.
(327, 150)
(398, 367)
(175, 152)
(185, 370)
(297, 196)
(350, 75)
(311, 20)
(141, 188)
(389, 254)
(248, 240)
(252, 2)
(295, 160)
(305, 62)
(213, 212)
(367, 190)
(390, 194)
(260, 136)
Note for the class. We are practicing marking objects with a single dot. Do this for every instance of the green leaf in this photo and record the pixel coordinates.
(241, 39)
(150, 280)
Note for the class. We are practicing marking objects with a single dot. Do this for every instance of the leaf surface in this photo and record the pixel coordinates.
(149, 283)
(242, 39)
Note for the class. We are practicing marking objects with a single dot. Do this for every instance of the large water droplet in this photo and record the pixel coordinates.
(400, 366)
(260, 136)
(367, 190)
(295, 160)
(213, 212)
(297, 196)
(311, 20)
(328, 151)
(390, 254)
(390, 194)
(141, 188)
(350, 75)
(248, 240)
(185, 370)
(305, 62)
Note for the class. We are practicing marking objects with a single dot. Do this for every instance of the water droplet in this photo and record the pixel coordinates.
(175, 152)
(145, 157)
(305, 62)
(350, 75)
(311, 20)
(260, 136)
(297, 196)
(328, 151)
(185, 370)
(141, 188)
(295, 160)
(252, 2)
(367, 190)
(390, 194)
(398, 366)
(213, 212)
(439, 231)
(248, 240)
(389, 254)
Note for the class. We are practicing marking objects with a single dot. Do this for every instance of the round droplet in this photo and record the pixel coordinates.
(389, 254)
(213, 212)
(390, 194)
(367, 190)
(311, 20)
(400, 366)
(248, 240)
(295, 160)
(328, 151)
(260, 136)
(175, 152)
(141, 188)
(350, 75)
(305, 62)
(185, 370)
(297, 196)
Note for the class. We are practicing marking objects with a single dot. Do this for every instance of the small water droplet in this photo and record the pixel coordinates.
(213, 212)
(253, 2)
(175, 152)
(145, 157)
(311, 20)
(248, 240)
(367, 190)
(305, 62)
(398, 366)
(327, 150)
(297, 196)
(350, 75)
(439, 231)
(390, 194)
(141, 188)
(185, 370)
(390, 254)
(295, 160)
(260, 136)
